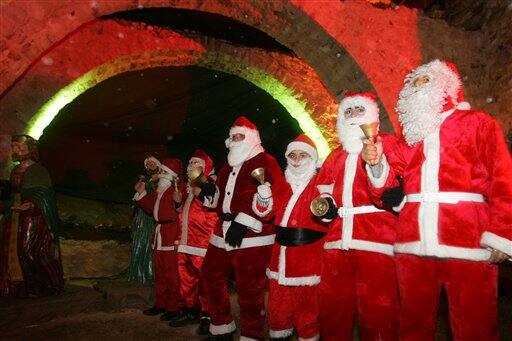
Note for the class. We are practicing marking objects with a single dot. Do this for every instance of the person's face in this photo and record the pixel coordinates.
(296, 157)
(237, 137)
(151, 165)
(354, 112)
(193, 163)
(420, 81)
(20, 151)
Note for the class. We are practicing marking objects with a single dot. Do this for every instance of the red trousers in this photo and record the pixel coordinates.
(292, 307)
(249, 268)
(191, 284)
(359, 282)
(167, 283)
(471, 288)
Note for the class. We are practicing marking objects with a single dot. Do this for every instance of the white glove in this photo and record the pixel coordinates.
(264, 191)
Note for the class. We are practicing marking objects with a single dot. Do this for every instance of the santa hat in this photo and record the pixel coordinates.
(367, 100)
(151, 158)
(205, 161)
(242, 125)
(303, 142)
(446, 75)
(172, 167)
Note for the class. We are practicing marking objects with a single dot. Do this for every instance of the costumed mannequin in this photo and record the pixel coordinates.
(358, 276)
(296, 264)
(141, 261)
(164, 203)
(456, 216)
(197, 223)
(243, 241)
(30, 262)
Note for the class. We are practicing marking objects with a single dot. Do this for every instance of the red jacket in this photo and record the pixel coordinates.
(458, 186)
(343, 177)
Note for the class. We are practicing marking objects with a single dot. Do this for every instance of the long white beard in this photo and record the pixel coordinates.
(238, 152)
(298, 176)
(163, 184)
(351, 137)
(419, 111)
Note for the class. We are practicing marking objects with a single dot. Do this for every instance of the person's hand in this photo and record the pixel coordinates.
(235, 234)
(196, 191)
(372, 152)
(154, 178)
(264, 191)
(497, 256)
(140, 187)
(208, 190)
(177, 197)
(23, 207)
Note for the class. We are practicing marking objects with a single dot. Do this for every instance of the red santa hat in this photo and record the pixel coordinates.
(303, 142)
(446, 75)
(205, 161)
(151, 158)
(367, 100)
(172, 167)
(242, 125)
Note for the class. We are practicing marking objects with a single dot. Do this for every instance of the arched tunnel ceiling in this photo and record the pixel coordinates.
(182, 107)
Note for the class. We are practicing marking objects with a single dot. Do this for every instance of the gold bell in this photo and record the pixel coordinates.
(319, 206)
(259, 175)
(370, 130)
(196, 177)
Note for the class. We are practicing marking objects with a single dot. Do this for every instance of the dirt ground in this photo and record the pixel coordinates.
(111, 310)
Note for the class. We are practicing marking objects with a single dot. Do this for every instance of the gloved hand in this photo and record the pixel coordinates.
(264, 191)
(332, 212)
(393, 196)
(235, 234)
(207, 190)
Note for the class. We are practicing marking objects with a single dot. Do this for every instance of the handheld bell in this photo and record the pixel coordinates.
(196, 177)
(370, 130)
(319, 206)
(259, 175)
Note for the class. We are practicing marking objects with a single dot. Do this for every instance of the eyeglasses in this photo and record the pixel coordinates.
(354, 112)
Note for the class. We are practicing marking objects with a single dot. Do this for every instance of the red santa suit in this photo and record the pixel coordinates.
(237, 203)
(458, 202)
(295, 264)
(358, 274)
(160, 203)
(197, 223)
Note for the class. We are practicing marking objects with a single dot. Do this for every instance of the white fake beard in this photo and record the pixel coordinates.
(297, 176)
(163, 184)
(419, 111)
(238, 152)
(351, 137)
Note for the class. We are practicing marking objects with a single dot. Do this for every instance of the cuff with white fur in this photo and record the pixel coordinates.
(251, 222)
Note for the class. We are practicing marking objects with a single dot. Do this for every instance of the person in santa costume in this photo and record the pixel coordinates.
(243, 240)
(358, 276)
(164, 204)
(295, 264)
(456, 216)
(197, 223)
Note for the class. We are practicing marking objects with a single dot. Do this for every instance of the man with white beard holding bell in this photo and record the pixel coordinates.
(455, 221)
(243, 240)
(358, 276)
(295, 264)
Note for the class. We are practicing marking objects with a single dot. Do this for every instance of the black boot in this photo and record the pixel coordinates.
(204, 324)
(186, 316)
(153, 311)
(221, 337)
(169, 315)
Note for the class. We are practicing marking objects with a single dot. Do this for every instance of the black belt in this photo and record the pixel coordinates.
(166, 221)
(227, 216)
(297, 236)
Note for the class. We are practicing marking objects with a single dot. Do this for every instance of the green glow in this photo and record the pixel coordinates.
(297, 108)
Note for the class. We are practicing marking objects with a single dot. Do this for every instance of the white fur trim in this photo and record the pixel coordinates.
(496, 242)
(278, 334)
(268, 204)
(157, 241)
(364, 245)
(378, 182)
(443, 251)
(371, 107)
(184, 219)
(251, 222)
(247, 242)
(245, 338)
(463, 106)
(291, 204)
(294, 281)
(222, 328)
(348, 182)
(168, 170)
(138, 196)
(314, 338)
(299, 145)
(325, 188)
(192, 250)
(230, 186)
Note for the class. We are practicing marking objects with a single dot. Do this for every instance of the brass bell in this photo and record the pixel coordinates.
(370, 130)
(196, 177)
(319, 206)
(259, 175)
